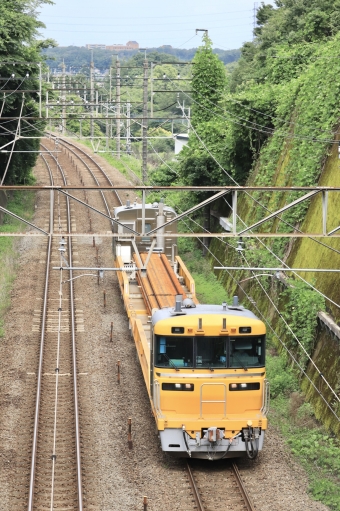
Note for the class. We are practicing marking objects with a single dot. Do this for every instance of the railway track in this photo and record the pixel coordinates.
(55, 477)
(56, 470)
(218, 487)
(88, 166)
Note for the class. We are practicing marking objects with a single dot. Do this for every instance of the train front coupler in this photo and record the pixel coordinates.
(251, 437)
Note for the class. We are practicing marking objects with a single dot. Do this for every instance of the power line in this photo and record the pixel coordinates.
(253, 125)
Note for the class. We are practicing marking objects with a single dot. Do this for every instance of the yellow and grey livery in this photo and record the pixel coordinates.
(203, 365)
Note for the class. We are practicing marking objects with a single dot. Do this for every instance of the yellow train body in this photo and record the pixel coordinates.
(203, 365)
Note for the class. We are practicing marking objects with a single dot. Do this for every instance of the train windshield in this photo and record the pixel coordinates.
(174, 351)
(209, 352)
(247, 351)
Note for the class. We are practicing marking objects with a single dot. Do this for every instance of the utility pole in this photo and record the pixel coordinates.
(108, 124)
(40, 91)
(145, 122)
(118, 108)
(63, 100)
(151, 89)
(128, 128)
(92, 94)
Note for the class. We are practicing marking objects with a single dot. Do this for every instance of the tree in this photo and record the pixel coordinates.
(208, 83)
(20, 54)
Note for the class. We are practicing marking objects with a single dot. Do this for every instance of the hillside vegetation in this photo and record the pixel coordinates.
(79, 57)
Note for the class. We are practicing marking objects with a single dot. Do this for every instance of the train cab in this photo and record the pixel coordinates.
(155, 215)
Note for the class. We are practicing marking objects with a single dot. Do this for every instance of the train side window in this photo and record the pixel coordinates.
(147, 229)
(122, 229)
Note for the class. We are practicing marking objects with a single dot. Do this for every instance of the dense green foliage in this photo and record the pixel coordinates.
(208, 289)
(79, 57)
(281, 96)
(20, 56)
(317, 450)
(208, 82)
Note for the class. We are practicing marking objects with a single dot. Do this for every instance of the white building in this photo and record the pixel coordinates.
(181, 139)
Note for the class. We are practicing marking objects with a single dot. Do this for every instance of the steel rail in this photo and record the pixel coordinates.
(96, 181)
(41, 352)
(250, 506)
(199, 503)
(74, 362)
(74, 365)
(66, 142)
(74, 355)
(235, 472)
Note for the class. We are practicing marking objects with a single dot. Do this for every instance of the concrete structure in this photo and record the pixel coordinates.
(181, 139)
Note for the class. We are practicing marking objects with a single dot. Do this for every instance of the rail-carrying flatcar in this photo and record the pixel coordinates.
(203, 365)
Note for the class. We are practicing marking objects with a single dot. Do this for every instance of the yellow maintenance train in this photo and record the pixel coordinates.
(203, 365)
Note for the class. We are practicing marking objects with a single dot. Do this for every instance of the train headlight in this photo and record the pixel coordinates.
(178, 385)
(233, 385)
(243, 385)
(188, 385)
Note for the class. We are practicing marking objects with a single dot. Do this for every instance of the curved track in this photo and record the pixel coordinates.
(80, 158)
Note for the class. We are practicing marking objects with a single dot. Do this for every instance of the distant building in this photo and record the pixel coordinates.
(133, 45)
(96, 46)
(130, 45)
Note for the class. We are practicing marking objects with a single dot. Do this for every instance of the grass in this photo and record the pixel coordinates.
(316, 450)
(208, 289)
(22, 204)
(127, 165)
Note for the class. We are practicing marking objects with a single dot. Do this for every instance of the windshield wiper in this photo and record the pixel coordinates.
(171, 362)
(241, 364)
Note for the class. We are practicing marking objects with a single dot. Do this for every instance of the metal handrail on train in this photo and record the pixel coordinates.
(157, 398)
(266, 397)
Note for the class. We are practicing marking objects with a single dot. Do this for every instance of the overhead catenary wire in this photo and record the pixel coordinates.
(246, 107)
(249, 195)
(309, 358)
(253, 125)
(288, 267)
(257, 202)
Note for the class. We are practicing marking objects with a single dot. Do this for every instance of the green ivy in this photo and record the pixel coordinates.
(301, 306)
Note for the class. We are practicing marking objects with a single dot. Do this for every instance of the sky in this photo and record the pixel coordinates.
(151, 23)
